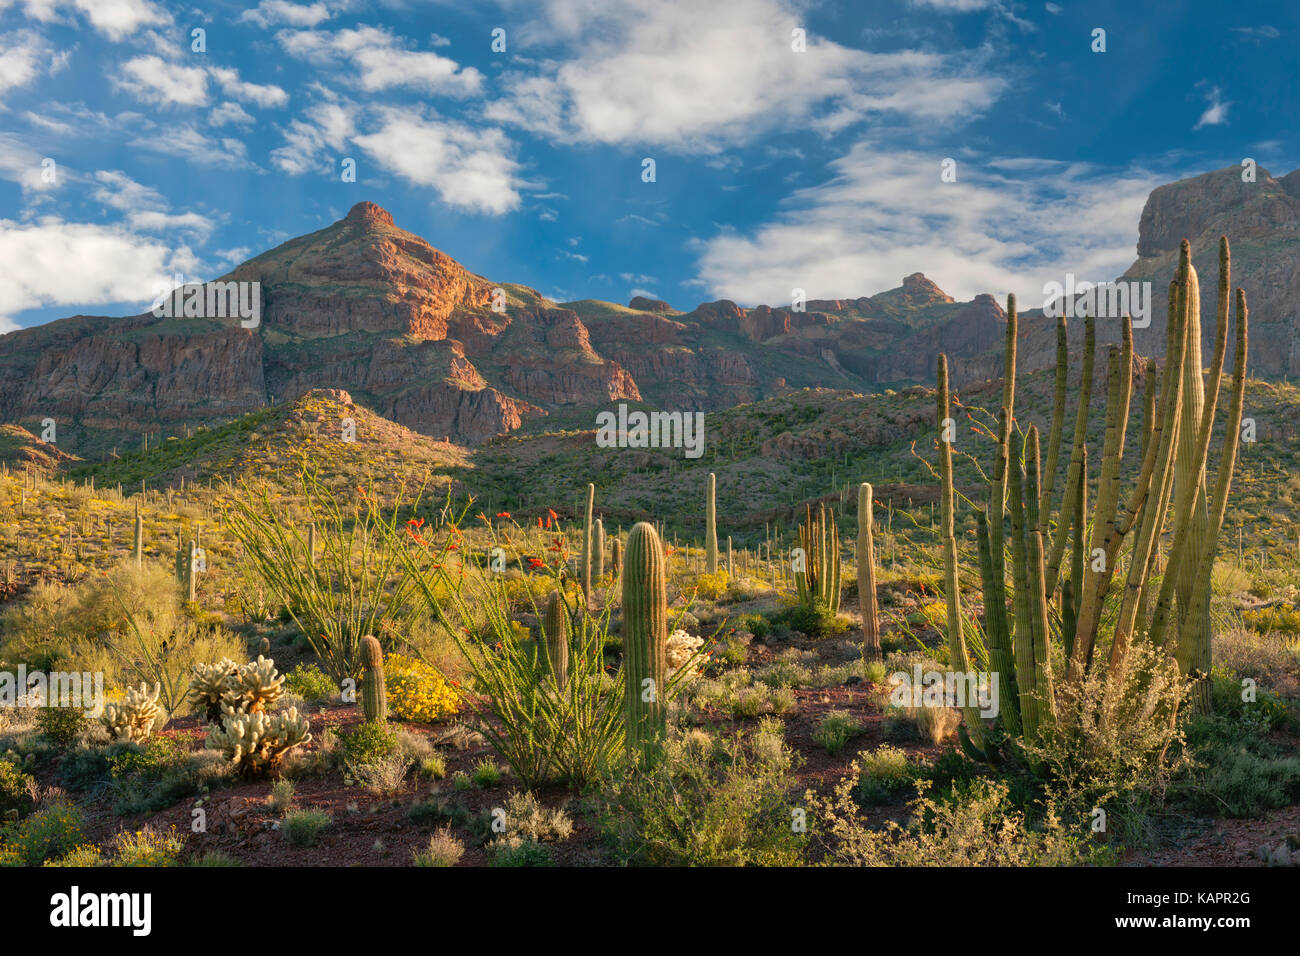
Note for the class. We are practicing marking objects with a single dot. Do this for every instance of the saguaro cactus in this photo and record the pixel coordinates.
(374, 690)
(645, 643)
(598, 551)
(711, 526)
(867, 574)
(555, 627)
(587, 534)
(615, 556)
(138, 546)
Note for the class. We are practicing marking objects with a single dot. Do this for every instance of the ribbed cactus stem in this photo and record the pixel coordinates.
(555, 625)
(598, 551)
(1058, 426)
(867, 574)
(645, 642)
(587, 542)
(138, 546)
(191, 557)
(1001, 662)
(1023, 637)
(615, 557)
(1076, 455)
(957, 658)
(731, 566)
(374, 691)
(1037, 573)
(711, 526)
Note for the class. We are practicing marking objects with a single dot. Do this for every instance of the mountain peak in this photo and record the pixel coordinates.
(368, 213)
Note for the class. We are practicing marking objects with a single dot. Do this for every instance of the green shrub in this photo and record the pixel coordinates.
(148, 847)
(834, 730)
(707, 804)
(885, 773)
(519, 851)
(45, 834)
(61, 725)
(303, 827)
(443, 849)
(813, 620)
(369, 742)
(756, 624)
(1236, 772)
(487, 773)
(310, 683)
(17, 790)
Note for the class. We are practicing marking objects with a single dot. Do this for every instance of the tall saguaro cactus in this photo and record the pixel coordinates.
(555, 625)
(587, 542)
(374, 689)
(138, 545)
(711, 527)
(867, 574)
(598, 550)
(645, 643)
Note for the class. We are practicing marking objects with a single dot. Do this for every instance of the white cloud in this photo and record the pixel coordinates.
(686, 74)
(188, 143)
(469, 166)
(115, 19)
(81, 264)
(21, 164)
(1216, 114)
(323, 126)
(229, 112)
(271, 12)
(886, 215)
(265, 96)
(155, 80)
(24, 55)
(117, 190)
(381, 62)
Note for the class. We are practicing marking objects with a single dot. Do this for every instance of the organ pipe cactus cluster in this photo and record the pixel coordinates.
(645, 643)
(817, 566)
(374, 689)
(1055, 599)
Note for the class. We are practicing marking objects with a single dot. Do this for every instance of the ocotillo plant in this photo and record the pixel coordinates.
(817, 567)
(555, 625)
(645, 643)
(867, 574)
(711, 526)
(374, 690)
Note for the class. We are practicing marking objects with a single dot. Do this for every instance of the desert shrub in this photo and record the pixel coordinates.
(148, 847)
(813, 620)
(310, 683)
(61, 725)
(46, 833)
(1234, 771)
(933, 724)
(1255, 707)
(486, 773)
(443, 849)
(977, 827)
(756, 624)
(707, 803)
(437, 808)
(524, 816)
(156, 776)
(884, 773)
(784, 673)
(1115, 743)
(303, 827)
(368, 742)
(433, 766)
(17, 790)
(713, 586)
(417, 691)
(519, 851)
(281, 796)
(835, 730)
(88, 854)
(1279, 619)
(214, 858)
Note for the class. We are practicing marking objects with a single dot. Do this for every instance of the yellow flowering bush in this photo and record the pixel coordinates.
(712, 586)
(417, 691)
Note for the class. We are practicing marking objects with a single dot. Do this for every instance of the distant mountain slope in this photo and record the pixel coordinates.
(365, 306)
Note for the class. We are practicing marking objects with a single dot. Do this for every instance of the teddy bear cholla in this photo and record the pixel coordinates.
(681, 648)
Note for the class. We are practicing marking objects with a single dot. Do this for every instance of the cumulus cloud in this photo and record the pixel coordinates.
(323, 126)
(680, 73)
(24, 56)
(155, 80)
(884, 215)
(469, 166)
(381, 61)
(274, 12)
(115, 19)
(81, 264)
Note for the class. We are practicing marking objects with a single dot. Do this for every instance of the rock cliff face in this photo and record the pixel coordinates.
(366, 306)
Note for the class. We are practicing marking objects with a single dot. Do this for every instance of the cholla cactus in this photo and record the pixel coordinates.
(256, 743)
(681, 647)
(255, 686)
(134, 718)
(210, 684)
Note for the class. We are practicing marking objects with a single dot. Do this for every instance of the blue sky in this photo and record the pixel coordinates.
(775, 168)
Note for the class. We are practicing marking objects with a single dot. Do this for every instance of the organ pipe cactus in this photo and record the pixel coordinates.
(374, 689)
(138, 545)
(711, 526)
(817, 566)
(867, 574)
(587, 534)
(598, 550)
(645, 643)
